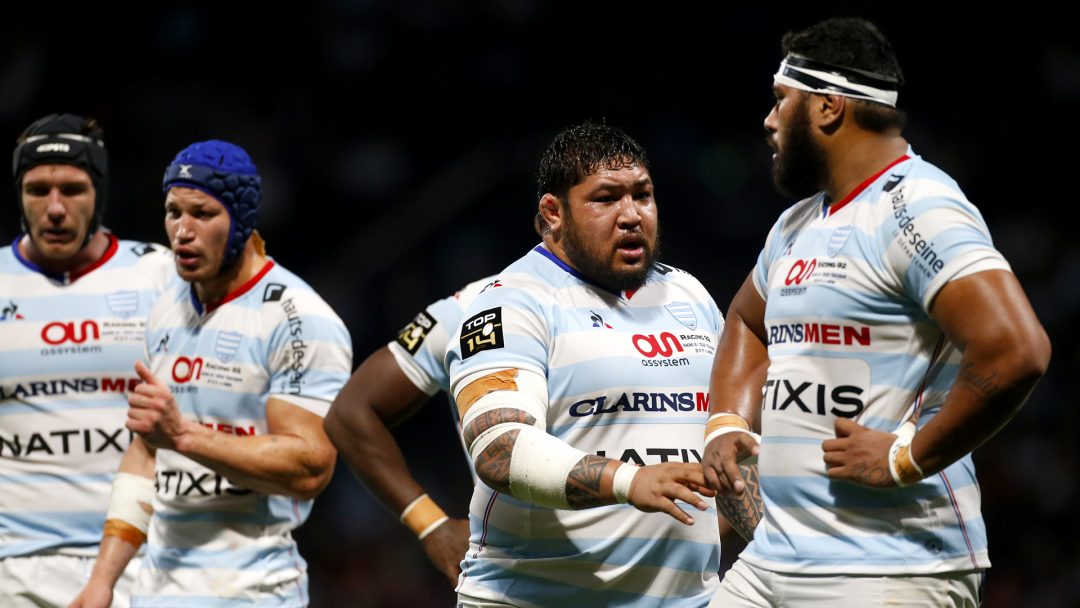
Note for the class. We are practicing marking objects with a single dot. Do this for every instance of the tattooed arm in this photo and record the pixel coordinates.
(744, 510)
(498, 435)
(1005, 353)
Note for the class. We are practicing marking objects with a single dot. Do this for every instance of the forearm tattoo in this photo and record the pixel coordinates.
(583, 482)
(493, 464)
(982, 384)
(743, 511)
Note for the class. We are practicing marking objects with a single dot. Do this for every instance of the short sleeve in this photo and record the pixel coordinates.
(310, 356)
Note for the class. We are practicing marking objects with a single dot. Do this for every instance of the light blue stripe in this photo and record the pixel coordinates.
(292, 600)
(79, 306)
(266, 559)
(583, 378)
(916, 547)
(50, 530)
(543, 592)
(563, 430)
(256, 518)
(118, 403)
(113, 359)
(33, 479)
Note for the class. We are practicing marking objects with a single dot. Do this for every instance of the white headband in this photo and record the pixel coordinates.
(818, 77)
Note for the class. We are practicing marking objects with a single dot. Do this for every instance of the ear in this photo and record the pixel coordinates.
(551, 211)
(828, 111)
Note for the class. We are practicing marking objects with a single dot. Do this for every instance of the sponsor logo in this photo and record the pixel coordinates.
(665, 345)
(917, 248)
(597, 320)
(186, 370)
(655, 455)
(185, 171)
(230, 429)
(813, 398)
(59, 332)
(67, 441)
(49, 388)
(227, 345)
(163, 344)
(123, 303)
(53, 147)
(641, 402)
(195, 485)
(482, 332)
(800, 271)
(412, 336)
(10, 312)
(661, 269)
(298, 349)
(683, 313)
(273, 292)
(893, 181)
(819, 333)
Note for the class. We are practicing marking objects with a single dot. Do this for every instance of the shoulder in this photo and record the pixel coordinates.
(284, 298)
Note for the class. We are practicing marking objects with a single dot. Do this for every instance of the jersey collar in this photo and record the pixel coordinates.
(829, 210)
(202, 309)
(66, 278)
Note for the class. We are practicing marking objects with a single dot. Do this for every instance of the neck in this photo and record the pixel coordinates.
(84, 257)
(250, 262)
(556, 248)
(854, 159)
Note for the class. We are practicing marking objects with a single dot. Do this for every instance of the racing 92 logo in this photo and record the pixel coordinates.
(665, 345)
(59, 332)
(800, 271)
(185, 370)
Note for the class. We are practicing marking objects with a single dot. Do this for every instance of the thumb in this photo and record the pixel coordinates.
(846, 428)
(146, 375)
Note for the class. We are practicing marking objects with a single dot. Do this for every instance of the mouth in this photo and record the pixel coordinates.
(57, 236)
(631, 248)
(187, 258)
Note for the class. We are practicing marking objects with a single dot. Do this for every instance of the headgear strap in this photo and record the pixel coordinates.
(813, 76)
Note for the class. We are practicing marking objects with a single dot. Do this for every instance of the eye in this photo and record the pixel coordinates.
(36, 190)
(73, 189)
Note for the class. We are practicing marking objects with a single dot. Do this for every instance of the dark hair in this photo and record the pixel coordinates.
(580, 151)
(853, 43)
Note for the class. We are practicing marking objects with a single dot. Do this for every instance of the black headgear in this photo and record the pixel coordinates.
(64, 139)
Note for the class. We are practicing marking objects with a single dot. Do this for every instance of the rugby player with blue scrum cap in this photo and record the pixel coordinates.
(891, 339)
(74, 302)
(245, 359)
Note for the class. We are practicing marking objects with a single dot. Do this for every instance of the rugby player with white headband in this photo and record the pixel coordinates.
(879, 340)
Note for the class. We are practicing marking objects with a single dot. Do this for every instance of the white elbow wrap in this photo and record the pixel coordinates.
(129, 494)
(539, 466)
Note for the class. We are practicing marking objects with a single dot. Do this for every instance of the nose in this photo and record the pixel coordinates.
(629, 213)
(183, 229)
(770, 120)
(54, 206)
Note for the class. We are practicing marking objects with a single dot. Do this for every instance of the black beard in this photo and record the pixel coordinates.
(599, 270)
(799, 169)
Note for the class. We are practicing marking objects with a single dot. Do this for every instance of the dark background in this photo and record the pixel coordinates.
(398, 143)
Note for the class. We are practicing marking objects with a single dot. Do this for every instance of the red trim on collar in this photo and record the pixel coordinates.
(239, 291)
(858, 189)
(110, 251)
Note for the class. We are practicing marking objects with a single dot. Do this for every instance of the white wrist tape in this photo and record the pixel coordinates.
(902, 466)
(539, 466)
(128, 491)
(620, 485)
(724, 423)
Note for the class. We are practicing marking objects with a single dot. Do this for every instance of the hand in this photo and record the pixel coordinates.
(154, 414)
(859, 454)
(656, 487)
(446, 547)
(721, 462)
(94, 595)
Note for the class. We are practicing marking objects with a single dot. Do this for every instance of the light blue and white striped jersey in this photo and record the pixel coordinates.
(627, 378)
(68, 346)
(420, 348)
(847, 290)
(211, 541)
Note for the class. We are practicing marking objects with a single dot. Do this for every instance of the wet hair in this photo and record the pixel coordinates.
(580, 151)
(857, 44)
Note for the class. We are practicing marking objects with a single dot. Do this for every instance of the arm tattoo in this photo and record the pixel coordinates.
(743, 511)
(583, 482)
(493, 464)
(982, 385)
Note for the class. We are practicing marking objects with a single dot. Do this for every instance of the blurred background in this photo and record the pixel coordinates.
(398, 141)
